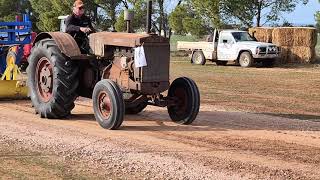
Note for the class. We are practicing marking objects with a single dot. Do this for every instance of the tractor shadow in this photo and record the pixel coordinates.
(215, 121)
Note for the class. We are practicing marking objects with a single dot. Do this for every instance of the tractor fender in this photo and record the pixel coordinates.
(64, 41)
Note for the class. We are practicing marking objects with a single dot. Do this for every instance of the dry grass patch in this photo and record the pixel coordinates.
(276, 90)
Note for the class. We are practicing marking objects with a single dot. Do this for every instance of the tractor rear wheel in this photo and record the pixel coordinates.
(52, 80)
(108, 104)
(187, 100)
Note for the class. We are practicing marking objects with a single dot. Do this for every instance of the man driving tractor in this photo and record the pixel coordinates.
(78, 25)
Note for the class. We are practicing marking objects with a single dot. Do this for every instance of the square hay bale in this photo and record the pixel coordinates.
(300, 54)
(305, 36)
(295, 36)
(285, 55)
(283, 36)
(262, 34)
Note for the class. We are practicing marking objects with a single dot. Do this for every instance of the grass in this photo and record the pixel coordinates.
(290, 90)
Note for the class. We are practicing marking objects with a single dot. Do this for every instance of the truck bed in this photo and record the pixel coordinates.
(187, 46)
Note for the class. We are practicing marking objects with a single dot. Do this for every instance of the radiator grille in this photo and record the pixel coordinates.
(158, 63)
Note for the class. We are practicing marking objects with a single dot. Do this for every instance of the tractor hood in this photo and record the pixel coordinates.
(101, 40)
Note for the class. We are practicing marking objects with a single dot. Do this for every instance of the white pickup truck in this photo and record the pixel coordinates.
(231, 45)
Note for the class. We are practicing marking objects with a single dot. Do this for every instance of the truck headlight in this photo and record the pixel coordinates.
(257, 50)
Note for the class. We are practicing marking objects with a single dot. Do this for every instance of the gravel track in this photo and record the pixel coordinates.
(219, 145)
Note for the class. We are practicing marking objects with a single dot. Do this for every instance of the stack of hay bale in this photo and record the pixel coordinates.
(262, 34)
(297, 43)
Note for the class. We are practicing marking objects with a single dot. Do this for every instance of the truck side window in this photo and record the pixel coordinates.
(227, 38)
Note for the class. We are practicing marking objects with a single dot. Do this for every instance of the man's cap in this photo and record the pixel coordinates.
(78, 3)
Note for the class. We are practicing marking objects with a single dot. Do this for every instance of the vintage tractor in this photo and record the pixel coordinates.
(123, 74)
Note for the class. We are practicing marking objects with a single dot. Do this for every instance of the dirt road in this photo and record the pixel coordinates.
(219, 145)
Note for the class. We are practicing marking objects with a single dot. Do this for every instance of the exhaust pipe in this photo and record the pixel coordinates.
(149, 15)
(128, 17)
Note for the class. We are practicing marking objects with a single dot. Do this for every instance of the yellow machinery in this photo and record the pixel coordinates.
(13, 38)
(13, 83)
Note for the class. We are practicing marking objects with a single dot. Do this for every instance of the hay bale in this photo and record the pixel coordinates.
(305, 36)
(297, 54)
(295, 36)
(300, 54)
(283, 36)
(285, 54)
(262, 34)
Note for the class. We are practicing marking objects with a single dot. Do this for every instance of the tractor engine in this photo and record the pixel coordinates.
(119, 49)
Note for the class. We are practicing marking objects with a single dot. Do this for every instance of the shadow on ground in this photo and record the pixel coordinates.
(215, 121)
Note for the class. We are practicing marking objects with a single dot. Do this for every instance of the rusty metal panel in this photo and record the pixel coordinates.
(102, 40)
(158, 63)
(64, 41)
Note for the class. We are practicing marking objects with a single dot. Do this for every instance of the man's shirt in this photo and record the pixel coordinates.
(74, 23)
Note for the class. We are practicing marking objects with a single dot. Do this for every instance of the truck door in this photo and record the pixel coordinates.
(226, 47)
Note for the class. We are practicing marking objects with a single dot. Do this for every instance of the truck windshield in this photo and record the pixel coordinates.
(242, 36)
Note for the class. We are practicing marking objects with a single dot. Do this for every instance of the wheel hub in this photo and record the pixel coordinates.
(44, 78)
(245, 61)
(181, 105)
(105, 105)
(198, 58)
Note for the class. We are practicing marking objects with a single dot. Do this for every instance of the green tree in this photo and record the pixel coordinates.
(195, 26)
(108, 17)
(250, 11)
(176, 19)
(102, 12)
(9, 9)
(317, 18)
(209, 10)
(49, 11)
(186, 19)
(140, 14)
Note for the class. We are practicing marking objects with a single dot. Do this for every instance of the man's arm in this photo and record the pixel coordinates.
(70, 27)
(90, 26)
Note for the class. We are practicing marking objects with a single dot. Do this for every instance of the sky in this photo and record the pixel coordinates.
(304, 14)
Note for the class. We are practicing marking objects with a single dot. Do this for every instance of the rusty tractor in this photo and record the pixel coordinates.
(123, 73)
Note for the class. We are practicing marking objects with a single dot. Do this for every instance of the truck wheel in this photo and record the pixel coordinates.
(221, 63)
(268, 63)
(108, 104)
(198, 58)
(187, 101)
(246, 60)
(52, 80)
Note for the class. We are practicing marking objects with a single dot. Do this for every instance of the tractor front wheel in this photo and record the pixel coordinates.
(108, 104)
(185, 93)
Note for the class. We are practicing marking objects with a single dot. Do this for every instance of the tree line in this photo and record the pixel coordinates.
(198, 17)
